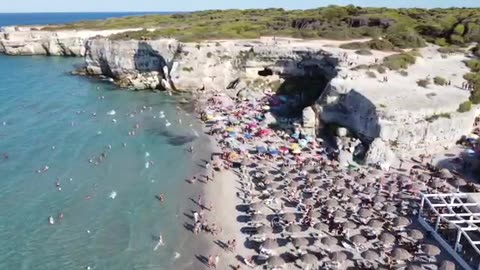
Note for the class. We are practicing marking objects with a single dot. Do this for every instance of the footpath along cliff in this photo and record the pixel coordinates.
(395, 118)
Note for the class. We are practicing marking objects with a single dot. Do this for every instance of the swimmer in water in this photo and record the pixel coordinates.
(160, 242)
(161, 197)
(46, 168)
(60, 216)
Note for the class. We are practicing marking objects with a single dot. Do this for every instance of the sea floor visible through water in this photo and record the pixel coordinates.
(51, 118)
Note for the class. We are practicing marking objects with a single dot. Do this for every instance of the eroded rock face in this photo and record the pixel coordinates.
(34, 41)
(213, 66)
(390, 133)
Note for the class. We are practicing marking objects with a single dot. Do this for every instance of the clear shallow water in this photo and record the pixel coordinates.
(39, 102)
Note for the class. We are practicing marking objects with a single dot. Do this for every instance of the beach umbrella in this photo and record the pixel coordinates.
(386, 238)
(459, 182)
(346, 192)
(379, 199)
(309, 202)
(415, 234)
(364, 212)
(323, 193)
(340, 214)
(331, 203)
(375, 172)
(400, 222)
(355, 200)
(320, 226)
(294, 184)
(293, 228)
(349, 225)
(258, 217)
(270, 244)
(300, 242)
(328, 241)
(358, 239)
(402, 178)
(445, 174)
(370, 255)
(339, 182)
(273, 185)
(392, 188)
(447, 265)
(317, 184)
(437, 183)
(431, 250)
(400, 254)
(414, 267)
(264, 230)
(257, 206)
(309, 258)
(315, 214)
(362, 181)
(289, 217)
(275, 261)
(338, 256)
(423, 177)
(370, 190)
(352, 173)
(389, 208)
(375, 223)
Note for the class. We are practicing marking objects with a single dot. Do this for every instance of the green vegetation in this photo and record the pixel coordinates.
(465, 106)
(403, 28)
(374, 44)
(474, 65)
(404, 73)
(423, 83)
(439, 81)
(476, 50)
(399, 61)
(371, 74)
(187, 69)
(363, 52)
(209, 54)
(381, 69)
(450, 50)
(437, 116)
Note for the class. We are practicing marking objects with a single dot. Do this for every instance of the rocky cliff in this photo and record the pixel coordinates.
(34, 41)
(215, 66)
(396, 117)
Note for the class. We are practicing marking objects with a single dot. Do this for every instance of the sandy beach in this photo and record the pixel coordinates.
(288, 203)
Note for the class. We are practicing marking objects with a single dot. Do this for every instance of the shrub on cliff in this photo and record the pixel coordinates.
(423, 83)
(465, 106)
(403, 36)
(474, 65)
(363, 52)
(371, 74)
(354, 46)
(399, 61)
(476, 50)
(439, 81)
(380, 45)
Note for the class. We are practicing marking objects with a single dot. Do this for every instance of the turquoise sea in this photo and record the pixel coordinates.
(47, 119)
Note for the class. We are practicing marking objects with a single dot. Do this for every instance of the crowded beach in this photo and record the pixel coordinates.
(297, 207)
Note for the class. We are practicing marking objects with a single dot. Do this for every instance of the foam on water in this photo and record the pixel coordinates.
(109, 210)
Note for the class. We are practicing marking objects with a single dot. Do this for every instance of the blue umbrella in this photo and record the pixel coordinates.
(232, 134)
(261, 149)
(248, 136)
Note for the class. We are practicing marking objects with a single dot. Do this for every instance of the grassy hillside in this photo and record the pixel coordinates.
(401, 27)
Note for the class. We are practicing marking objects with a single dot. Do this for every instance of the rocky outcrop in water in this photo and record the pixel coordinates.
(34, 41)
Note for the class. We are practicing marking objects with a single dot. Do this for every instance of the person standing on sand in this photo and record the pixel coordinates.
(210, 262)
(217, 260)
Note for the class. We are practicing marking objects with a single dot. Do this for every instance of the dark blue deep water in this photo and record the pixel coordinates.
(7, 19)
